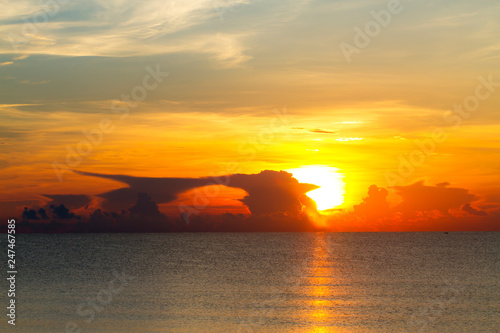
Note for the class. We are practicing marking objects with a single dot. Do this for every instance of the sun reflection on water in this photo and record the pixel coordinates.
(320, 310)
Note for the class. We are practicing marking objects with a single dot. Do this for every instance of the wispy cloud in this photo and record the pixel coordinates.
(34, 82)
(123, 29)
(21, 57)
(348, 139)
(322, 131)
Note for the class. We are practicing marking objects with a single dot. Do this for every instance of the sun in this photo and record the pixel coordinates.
(332, 186)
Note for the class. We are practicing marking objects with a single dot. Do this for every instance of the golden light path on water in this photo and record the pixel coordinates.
(332, 187)
(320, 311)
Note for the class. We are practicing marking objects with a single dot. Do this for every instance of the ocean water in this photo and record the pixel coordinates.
(257, 282)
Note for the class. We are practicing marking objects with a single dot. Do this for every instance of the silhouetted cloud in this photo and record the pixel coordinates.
(43, 214)
(419, 197)
(143, 216)
(268, 191)
(71, 201)
(145, 206)
(473, 211)
(277, 202)
(29, 214)
(271, 191)
(430, 208)
(162, 190)
(61, 212)
(375, 205)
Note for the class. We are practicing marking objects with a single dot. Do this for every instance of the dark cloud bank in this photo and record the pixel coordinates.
(276, 200)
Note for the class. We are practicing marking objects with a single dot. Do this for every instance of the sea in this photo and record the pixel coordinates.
(256, 282)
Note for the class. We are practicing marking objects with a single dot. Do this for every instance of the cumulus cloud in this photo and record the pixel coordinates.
(61, 212)
(143, 216)
(145, 206)
(419, 197)
(276, 201)
(422, 208)
(473, 211)
(375, 205)
(43, 214)
(29, 214)
(271, 191)
(268, 191)
(418, 201)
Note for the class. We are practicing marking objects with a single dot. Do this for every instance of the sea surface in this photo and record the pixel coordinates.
(256, 282)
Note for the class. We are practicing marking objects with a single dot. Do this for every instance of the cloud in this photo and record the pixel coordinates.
(143, 216)
(29, 214)
(271, 191)
(61, 212)
(473, 211)
(319, 130)
(268, 191)
(348, 139)
(32, 214)
(145, 206)
(375, 205)
(422, 208)
(162, 190)
(419, 197)
(273, 198)
(43, 214)
(72, 201)
(20, 57)
(32, 83)
(124, 29)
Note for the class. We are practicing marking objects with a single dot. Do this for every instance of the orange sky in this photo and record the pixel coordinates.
(263, 88)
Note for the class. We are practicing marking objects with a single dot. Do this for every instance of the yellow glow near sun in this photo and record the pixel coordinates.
(332, 190)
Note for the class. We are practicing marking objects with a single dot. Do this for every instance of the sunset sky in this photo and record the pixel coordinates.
(253, 86)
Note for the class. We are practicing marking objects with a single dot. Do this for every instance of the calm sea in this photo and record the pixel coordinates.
(257, 282)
